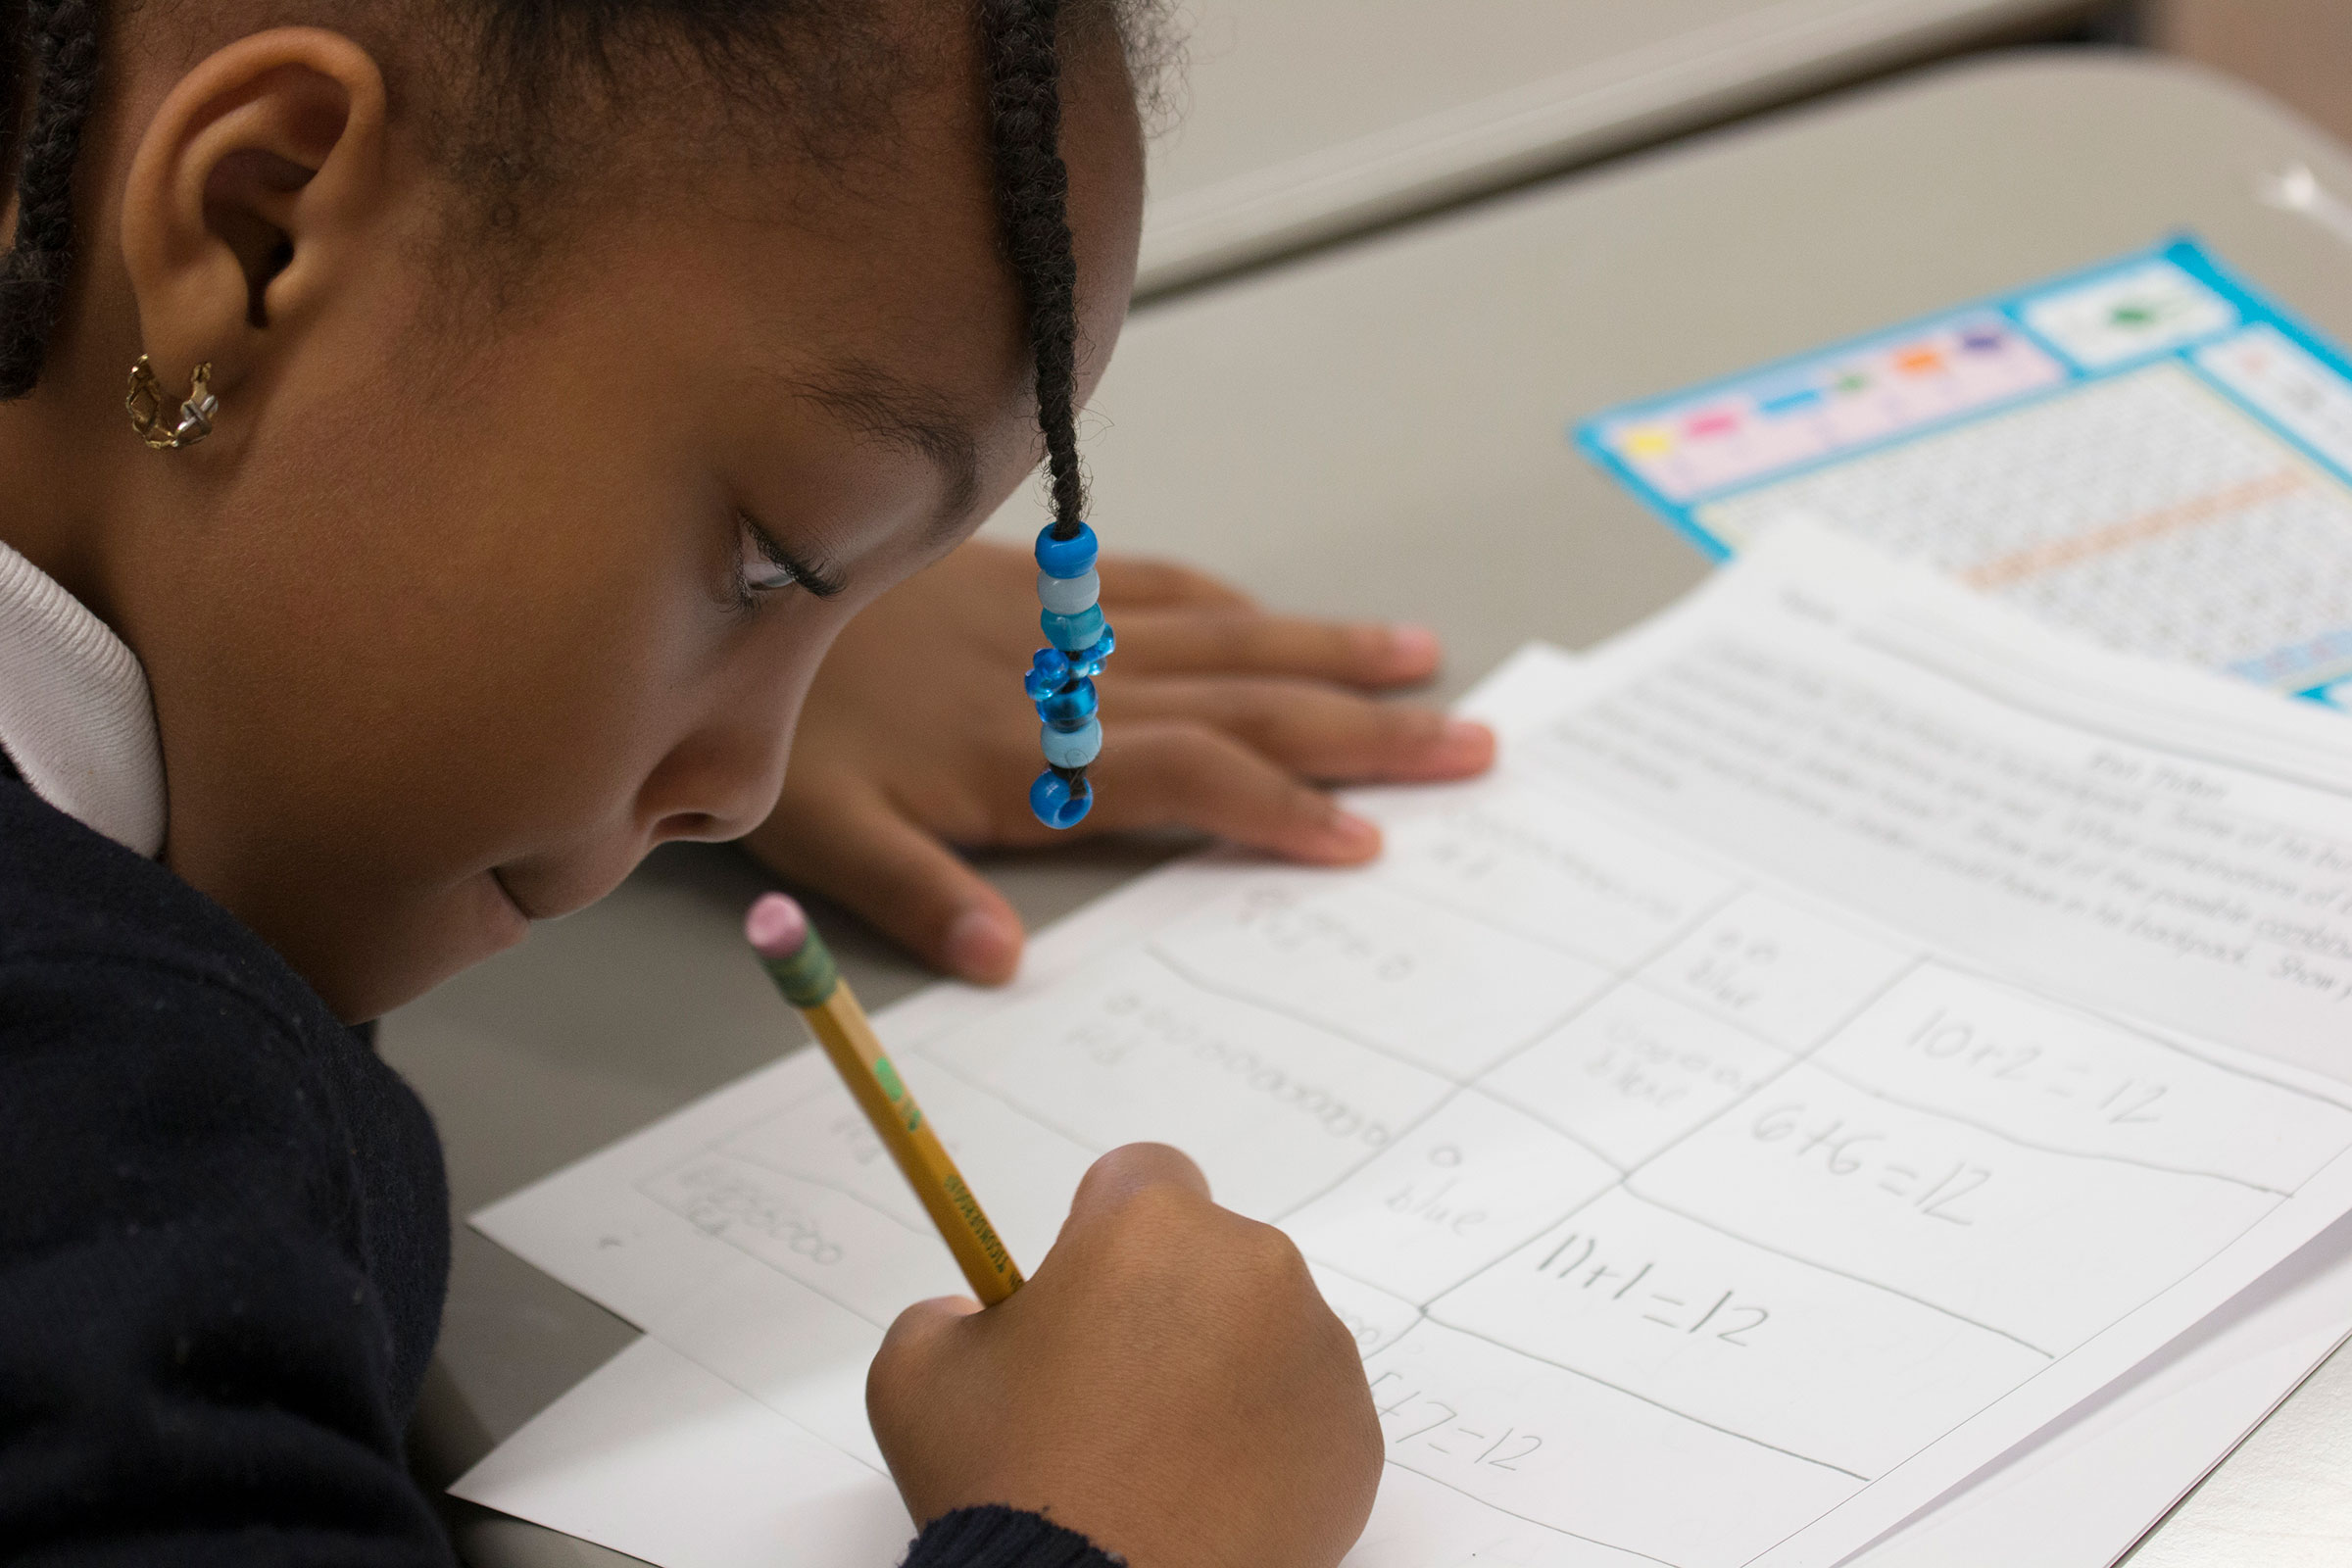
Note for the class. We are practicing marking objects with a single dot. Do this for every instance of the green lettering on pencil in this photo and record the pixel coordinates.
(977, 1223)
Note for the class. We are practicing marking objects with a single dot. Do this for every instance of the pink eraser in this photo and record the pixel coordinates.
(775, 926)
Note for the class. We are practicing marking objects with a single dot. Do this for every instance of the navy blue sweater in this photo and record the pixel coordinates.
(223, 1243)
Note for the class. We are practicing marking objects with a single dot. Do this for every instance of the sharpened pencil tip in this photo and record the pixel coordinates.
(775, 927)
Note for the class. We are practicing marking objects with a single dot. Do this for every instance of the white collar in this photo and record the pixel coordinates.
(76, 715)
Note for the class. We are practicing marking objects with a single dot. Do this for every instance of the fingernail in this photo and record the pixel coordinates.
(1352, 838)
(1412, 647)
(978, 947)
(1465, 741)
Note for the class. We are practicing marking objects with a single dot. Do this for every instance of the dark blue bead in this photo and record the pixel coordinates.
(1073, 557)
(1049, 672)
(1071, 707)
(1056, 803)
(1088, 663)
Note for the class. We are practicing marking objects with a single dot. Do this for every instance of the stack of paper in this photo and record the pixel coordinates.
(1852, 1030)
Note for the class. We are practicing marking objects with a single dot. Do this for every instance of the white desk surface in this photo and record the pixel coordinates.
(1311, 118)
(1380, 430)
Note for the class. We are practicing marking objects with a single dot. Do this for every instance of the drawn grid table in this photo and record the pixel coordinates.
(1502, 1206)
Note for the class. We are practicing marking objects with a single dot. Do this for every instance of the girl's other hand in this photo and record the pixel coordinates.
(1169, 1384)
(1217, 716)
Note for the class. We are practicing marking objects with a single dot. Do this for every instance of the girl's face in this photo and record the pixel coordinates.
(463, 612)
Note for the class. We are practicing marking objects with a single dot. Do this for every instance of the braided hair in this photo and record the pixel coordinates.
(1019, 48)
(1033, 188)
(64, 36)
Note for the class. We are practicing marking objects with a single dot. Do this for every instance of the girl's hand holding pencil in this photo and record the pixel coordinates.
(1170, 1385)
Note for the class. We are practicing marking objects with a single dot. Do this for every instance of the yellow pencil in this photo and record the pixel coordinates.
(802, 968)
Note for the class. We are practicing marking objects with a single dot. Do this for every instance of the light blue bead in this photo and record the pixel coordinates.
(1072, 748)
(1070, 633)
(1067, 596)
(1073, 557)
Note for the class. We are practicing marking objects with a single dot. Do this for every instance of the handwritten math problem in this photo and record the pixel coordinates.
(1830, 1145)
(1410, 1416)
(1945, 1037)
(1574, 1262)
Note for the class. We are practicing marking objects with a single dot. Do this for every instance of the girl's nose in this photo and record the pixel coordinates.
(718, 782)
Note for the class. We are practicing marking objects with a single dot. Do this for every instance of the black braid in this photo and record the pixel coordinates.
(1033, 188)
(33, 276)
(12, 73)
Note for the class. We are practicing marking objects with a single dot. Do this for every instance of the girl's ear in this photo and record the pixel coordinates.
(252, 194)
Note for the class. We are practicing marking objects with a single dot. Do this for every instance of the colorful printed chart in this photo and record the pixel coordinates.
(2151, 452)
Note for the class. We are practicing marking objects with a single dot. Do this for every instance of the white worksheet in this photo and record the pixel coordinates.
(1852, 1028)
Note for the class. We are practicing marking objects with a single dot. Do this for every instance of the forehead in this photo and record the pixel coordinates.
(881, 277)
(873, 282)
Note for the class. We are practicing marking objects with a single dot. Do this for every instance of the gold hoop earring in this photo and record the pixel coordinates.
(144, 403)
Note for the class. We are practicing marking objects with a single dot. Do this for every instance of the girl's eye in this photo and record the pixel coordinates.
(759, 566)
(762, 567)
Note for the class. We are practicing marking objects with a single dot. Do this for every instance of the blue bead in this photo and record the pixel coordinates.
(1072, 748)
(1073, 557)
(1055, 803)
(1088, 663)
(1072, 632)
(1071, 709)
(1060, 680)
(1049, 672)
(1067, 596)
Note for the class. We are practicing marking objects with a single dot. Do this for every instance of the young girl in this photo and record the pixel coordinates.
(521, 397)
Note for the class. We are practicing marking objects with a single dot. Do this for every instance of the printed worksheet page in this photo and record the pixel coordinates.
(1853, 1027)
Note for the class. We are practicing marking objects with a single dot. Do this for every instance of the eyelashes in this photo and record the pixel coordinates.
(758, 571)
(764, 567)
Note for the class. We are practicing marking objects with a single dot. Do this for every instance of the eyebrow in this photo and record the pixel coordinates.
(876, 402)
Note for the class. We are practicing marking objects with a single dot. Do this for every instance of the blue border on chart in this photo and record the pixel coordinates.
(2258, 310)
(2182, 250)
